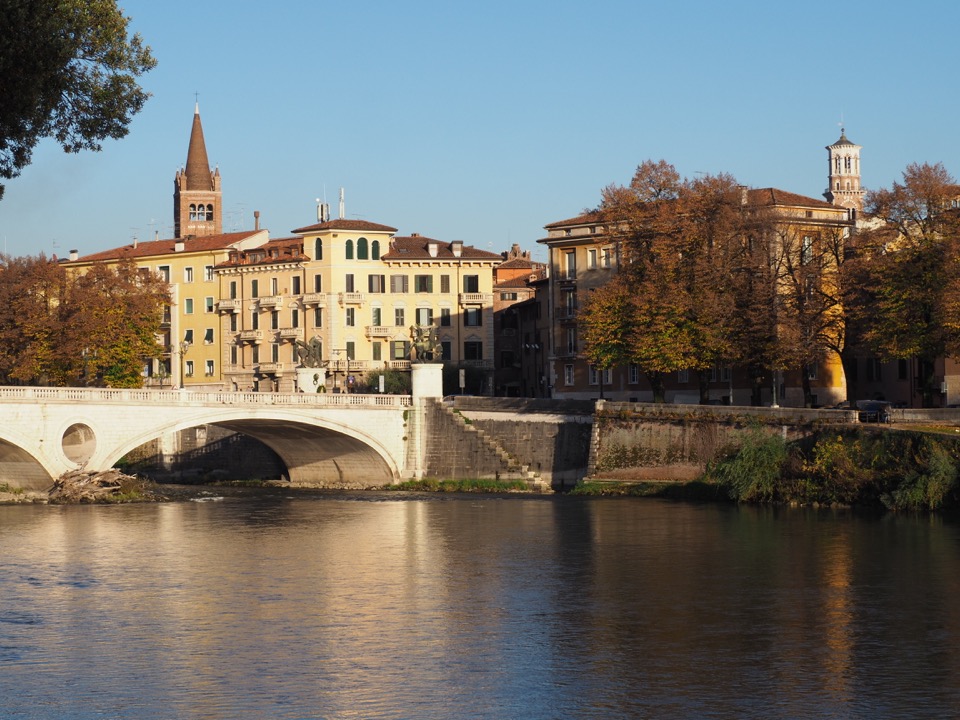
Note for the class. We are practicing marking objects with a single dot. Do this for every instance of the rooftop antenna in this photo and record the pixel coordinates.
(341, 204)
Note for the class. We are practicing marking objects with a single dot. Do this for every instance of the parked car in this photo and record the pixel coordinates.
(877, 411)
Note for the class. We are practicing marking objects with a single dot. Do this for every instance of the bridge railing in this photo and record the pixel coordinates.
(202, 397)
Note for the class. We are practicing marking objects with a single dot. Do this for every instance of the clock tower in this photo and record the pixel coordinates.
(844, 172)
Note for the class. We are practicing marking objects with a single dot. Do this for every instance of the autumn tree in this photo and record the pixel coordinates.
(69, 70)
(905, 279)
(68, 330)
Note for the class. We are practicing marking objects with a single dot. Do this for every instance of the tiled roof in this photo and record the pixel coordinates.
(518, 263)
(344, 224)
(774, 196)
(518, 282)
(842, 141)
(167, 247)
(587, 218)
(281, 245)
(198, 168)
(415, 248)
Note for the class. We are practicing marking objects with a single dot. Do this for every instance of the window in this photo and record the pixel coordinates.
(188, 274)
(208, 304)
(399, 349)
(351, 350)
(472, 350)
(376, 283)
(208, 370)
(317, 283)
(472, 317)
(633, 374)
(318, 317)
(209, 212)
(683, 376)
(398, 317)
(188, 306)
(275, 353)
(295, 318)
(274, 286)
(591, 258)
(208, 273)
(471, 283)
(188, 336)
(398, 284)
(349, 282)
(275, 320)
(233, 322)
(255, 354)
(901, 369)
(444, 317)
(377, 314)
(444, 283)
(423, 283)
(375, 250)
(571, 341)
(255, 321)
(233, 354)
(506, 358)
(424, 316)
(351, 317)
(607, 256)
(874, 370)
(233, 289)
(376, 348)
(164, 272)
(254, 288)
(508, 296)
(362, 249)
(188, 368)
(295, 284)
(806, 250)
(348, 250)
(208, 336)
(446, 348)
(568, 374)
(811, 370)
(569, 265)
(318, 249)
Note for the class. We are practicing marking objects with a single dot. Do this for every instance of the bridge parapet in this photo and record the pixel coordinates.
(203, 397)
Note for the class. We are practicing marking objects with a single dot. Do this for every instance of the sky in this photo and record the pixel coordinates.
(483, 122)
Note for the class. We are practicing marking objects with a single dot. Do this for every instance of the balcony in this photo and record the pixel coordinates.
(316, 299)
(253, 336)
(397, 364)
(270, 301)
(483, 364)
(271, 368)
(380, 331)
(290, 333)
(476, 298)
(351, 298)
(567, 278)
(566, 314)
(233, 305)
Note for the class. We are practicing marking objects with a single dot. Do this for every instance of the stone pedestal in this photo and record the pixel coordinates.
(427, 380)
(309, 379)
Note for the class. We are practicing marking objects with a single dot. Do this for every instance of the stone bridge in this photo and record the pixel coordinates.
(340, 440)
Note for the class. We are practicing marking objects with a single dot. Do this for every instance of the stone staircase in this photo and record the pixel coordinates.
(458, 448)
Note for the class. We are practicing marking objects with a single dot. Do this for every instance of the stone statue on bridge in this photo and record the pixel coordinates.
(309, 353)
(424, 344)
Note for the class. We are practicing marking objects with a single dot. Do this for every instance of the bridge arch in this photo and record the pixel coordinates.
(19, 467)
(315, 450)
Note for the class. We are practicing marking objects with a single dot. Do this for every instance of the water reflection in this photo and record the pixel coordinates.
(339, 606)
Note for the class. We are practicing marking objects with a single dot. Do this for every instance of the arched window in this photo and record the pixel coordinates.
(375, 250)
(193, 212)
(348, 250)
(318, 249)
(209, 212)
(362, 249)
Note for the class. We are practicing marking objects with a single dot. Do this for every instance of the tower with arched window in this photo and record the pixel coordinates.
(844, 185)
(197, 200)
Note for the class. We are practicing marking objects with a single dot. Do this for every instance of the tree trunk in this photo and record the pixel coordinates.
(704, 379)
(656, 384)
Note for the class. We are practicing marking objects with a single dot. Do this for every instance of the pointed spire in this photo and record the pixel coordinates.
(198, 167)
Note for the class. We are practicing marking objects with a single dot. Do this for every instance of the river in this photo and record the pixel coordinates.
(274, 604)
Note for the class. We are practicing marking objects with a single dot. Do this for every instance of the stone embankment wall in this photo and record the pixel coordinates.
(659, 442)
(548, 439)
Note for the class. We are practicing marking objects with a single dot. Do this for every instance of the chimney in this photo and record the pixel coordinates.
(179, 245)
(743, 194)
(457, 247)
(256, 219)
(74, 255)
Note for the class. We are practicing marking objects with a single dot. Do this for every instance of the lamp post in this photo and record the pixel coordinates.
(184, 346)
(336, 367)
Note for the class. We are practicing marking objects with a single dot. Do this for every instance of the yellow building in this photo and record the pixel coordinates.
(356, 288)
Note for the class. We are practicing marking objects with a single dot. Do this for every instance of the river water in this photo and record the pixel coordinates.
(269, 604)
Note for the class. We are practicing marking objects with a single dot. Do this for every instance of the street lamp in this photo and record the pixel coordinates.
(184, 346)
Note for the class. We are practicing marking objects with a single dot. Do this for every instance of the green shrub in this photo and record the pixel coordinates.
(751, 472)
(929, 482)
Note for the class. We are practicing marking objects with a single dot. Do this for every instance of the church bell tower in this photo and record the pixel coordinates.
(197, 200)
(844, 172)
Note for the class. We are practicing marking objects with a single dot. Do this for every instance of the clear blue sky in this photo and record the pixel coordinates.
(485, 121)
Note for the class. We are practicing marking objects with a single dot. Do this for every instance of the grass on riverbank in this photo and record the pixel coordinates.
(463, 485)
(694, 490)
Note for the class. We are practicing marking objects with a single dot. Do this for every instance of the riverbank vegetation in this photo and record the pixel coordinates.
(473, 485)
(896, 470)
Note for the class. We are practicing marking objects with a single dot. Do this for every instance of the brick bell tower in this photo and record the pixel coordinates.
(843, 187)
(197, 200)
